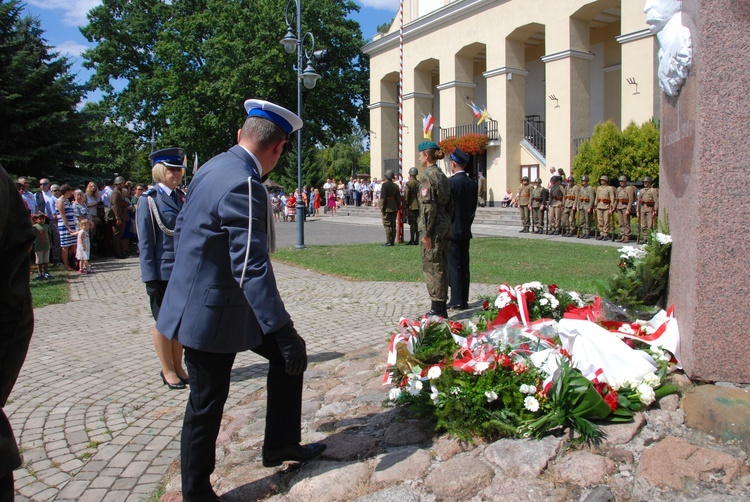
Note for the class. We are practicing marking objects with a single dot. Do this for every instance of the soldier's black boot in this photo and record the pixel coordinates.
(438, 309)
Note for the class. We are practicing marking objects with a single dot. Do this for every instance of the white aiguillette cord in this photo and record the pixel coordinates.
(269, 225)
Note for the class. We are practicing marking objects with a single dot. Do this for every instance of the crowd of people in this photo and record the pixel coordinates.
(72, 224)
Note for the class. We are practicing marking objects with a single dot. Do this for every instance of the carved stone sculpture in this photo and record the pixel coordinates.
(664, 18)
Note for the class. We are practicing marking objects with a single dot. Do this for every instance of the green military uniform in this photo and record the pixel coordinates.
(524, 199)
(605, 204)
(624, 198)
(556, 201)
(539, 199)
(585, 205)
(569, 208)
(390, 198)
(411, 193)
(435, 211)
(648, 208)
(482, 190)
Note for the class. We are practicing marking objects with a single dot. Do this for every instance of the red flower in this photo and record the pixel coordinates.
(530, 296)
(520, 368)
(622, 264)
(566, 354)
(486, 305)
(552, 288)
(504, 360)
(611, 400)
(455, 327)
(629, 342)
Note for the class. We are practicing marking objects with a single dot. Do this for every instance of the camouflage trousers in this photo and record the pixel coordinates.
(435, 268)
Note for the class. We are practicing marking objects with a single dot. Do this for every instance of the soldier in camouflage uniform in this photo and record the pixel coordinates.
(605, 205)
(586, 196)
(624, 198)
(648, 208)
(569, 208)
(556, 201)
(435, 212)
(411, 195)
(539, 198)
(390, 197)
(524, 199)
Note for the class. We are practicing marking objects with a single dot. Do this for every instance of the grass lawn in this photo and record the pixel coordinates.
(49, 291)
(570, 265)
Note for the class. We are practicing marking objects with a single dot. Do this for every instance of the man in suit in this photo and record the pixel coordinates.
(390, 197)
(464, 194)
(226, 299)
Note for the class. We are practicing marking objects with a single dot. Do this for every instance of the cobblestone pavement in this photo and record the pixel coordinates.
(95, 422)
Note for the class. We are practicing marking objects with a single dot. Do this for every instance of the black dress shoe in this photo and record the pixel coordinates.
(173, 386)
(388, 244)
(452, 306)
(431, 312)
(465, 306)
(273, 457)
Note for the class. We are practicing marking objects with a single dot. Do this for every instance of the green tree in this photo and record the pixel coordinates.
(633, 152)
(40, 129)
(184, 68)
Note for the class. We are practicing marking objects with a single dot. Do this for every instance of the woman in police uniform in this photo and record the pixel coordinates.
(156, 217)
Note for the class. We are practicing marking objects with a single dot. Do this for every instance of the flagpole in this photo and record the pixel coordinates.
(401, 88)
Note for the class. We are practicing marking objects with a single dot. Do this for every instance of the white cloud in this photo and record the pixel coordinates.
(71, 48)
(74, 11)
(389, 5)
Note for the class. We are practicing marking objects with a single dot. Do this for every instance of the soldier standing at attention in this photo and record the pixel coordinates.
(625, 197)
(569, 208)
(523, 199)
(411, 193)
(648, 208)
(390, 197)
(585, 207)
(605, 203)
(556, 198)
(435, 213)
(464, 196)
(482, 189)
(539, 198)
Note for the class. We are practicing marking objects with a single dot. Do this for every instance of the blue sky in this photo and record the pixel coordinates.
(60, 20)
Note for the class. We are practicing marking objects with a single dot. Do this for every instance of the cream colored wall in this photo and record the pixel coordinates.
(491, 22)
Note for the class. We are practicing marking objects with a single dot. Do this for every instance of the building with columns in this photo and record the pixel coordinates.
(547, 72)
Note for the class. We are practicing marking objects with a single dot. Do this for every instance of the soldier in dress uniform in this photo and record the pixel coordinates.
(586, 196)
(624, 196)
(605, 204)
(464, 196)
(539, 201)
(390, 198)
(156, 218)
(435, 213)
(569, 208)
(556, 201)
(648, 208)
(411, 194)
(524, 199)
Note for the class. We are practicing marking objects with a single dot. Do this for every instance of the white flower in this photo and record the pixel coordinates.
(659, 354)
(455, 391)
(502, 300)
(491, 396)
(532, 285)
(615, 383)
(434, 393)
(394, 394)
(632, 252)
(543, 302)
(434, 373)
(531, 404)
(663, 238)
(551, 299)
(481, 367)
(645, 394)
(576, 298)
(472, 326)
(415, 387)
(652, 379)
(527, 389)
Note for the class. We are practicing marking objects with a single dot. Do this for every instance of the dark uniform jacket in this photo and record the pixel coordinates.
(412, 194)
(205, 305)
(156, 247)
(464, 194)
(390, 196)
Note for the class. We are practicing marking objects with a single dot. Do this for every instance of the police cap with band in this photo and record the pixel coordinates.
(459, 157)
(170, 157)
(286, 120)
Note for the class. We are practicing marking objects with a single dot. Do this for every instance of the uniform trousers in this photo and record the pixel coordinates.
(209, 375)
(555, 217)
(624, 221)
(435, 268)
(537, 217)
(569, 219)
(524, 215)
(458, 268)
(389, 223)
(585, 221)
(646, 221)
(602, 218)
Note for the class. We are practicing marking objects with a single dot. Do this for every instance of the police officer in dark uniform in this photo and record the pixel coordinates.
(390, 198)
(411, 194)
(464, 192)
(155, 219)
(226, 300)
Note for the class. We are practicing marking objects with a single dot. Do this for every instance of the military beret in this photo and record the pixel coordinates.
(427, 145)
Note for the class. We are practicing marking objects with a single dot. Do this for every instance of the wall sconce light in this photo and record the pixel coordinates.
(632, 81)
(554, 98)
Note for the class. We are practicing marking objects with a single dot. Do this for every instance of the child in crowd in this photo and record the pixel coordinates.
(42, 245)
(83, 251)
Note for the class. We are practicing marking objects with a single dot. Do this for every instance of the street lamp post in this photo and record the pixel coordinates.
(308, 77)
